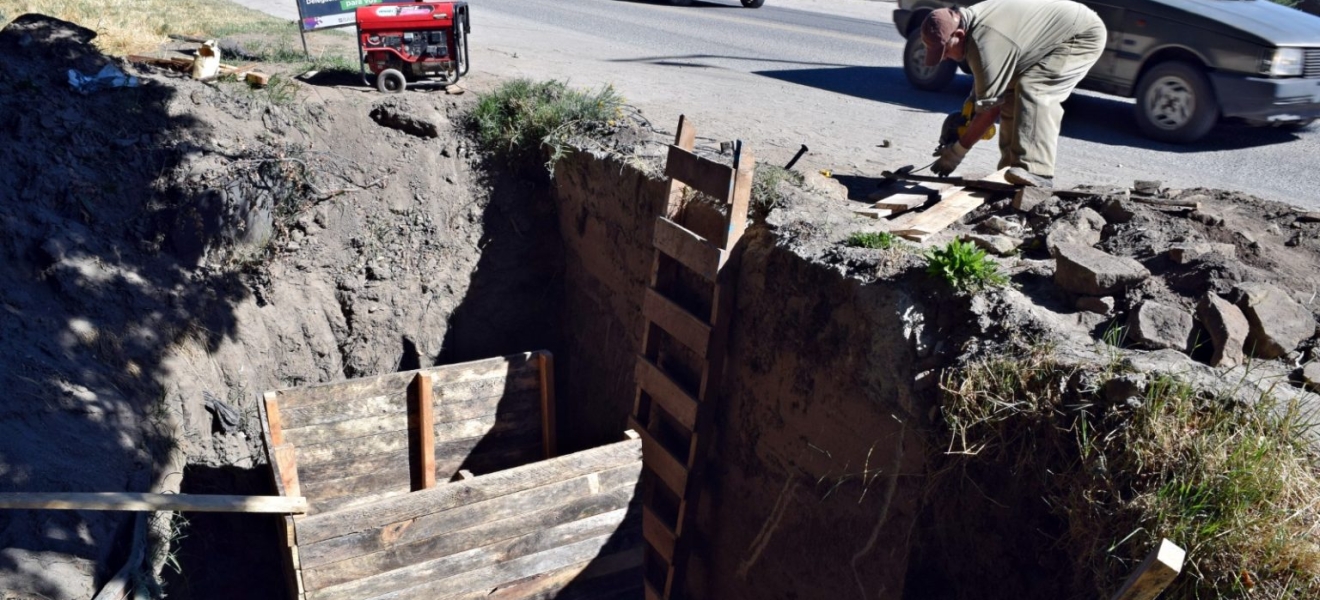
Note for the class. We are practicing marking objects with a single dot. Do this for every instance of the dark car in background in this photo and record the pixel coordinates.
(1188, 63)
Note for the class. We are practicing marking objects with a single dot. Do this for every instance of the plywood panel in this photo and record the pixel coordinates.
(443, 376)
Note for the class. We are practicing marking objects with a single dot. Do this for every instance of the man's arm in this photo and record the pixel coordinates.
(979, 125)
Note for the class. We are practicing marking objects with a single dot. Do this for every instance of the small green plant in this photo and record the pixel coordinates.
(522, 117)
(880, 240)
(766, 196)
(964, 266)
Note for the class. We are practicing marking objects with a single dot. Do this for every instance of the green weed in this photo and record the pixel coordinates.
(964, 266)
(766, 195)
(881, 240)
(523, 118)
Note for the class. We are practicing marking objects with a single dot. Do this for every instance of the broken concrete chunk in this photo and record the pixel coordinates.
(1085, 270)
(1119, 211)
(1082, 227)
(1311, 377)
(1142, 186)
(999, 225)
(1001, 245)
(1157, 326)
(1028, 198)
(1187, 253)
(1278, 323)
(1228, 329)
(1099, 305)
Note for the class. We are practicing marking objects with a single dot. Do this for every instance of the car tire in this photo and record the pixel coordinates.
(753, 3)
(930, 79)
(391, 81)
(1175, 103)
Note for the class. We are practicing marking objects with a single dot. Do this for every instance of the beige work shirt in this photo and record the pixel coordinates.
(1007, 37)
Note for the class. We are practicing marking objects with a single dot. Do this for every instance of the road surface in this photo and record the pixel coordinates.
(828, 74)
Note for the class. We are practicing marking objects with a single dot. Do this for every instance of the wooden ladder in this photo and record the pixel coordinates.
(687, 309)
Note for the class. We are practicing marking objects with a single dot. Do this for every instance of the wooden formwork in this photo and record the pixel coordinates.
(443, 483)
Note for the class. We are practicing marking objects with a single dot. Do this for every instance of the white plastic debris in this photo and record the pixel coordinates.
(109, 77)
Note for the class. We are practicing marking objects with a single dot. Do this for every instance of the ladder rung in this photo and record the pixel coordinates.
(658, 534)
(651, 594)
(661, 461)
(678, 403)
(693, 251)
(684, 326)
(705, 175)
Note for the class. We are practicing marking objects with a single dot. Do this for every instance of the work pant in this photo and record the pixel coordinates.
(1032, 112)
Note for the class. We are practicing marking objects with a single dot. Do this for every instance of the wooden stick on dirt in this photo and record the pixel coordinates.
(1155, 573)
(1167, 203)
(141, 502)
(421, 433)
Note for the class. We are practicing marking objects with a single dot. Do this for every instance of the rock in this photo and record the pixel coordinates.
(1028, 198)
(999, 225)
(1100, 305)
(1119, 211)
(1119, 389)
(1157, 326)
(1278, 323)
(1082, 227)
(1248, 239)
(1187, 253)
(1001, 245)
(399, 113)
(1311, 377)
(1149, 187)
(1206, 218)
(1228, 329)
(1085, 270)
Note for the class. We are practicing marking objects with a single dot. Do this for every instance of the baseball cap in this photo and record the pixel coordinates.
(935, 32)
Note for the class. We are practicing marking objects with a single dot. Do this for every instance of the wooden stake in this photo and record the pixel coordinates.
(421, 433)
(1159, 569)
(548, 438)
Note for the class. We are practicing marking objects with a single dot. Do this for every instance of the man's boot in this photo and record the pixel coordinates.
(1020, 176)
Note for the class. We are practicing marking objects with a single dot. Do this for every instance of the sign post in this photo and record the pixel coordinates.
(326, 14)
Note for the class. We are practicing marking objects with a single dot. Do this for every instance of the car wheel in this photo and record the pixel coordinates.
(1175, 103)
(391, 81)
(931, 79)
(753, 3)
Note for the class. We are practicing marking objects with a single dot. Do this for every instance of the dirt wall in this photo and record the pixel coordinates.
(819, 438)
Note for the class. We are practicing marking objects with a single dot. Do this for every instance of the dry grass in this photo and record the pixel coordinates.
(1234, 484)
(138, 26)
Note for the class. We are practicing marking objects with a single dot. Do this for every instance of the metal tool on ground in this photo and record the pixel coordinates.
(903, 173)
(801, 151)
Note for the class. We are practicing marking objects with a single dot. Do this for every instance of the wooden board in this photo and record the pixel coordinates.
(446, 409)
(142, 502)
(689, 249)
(657, 534)
(549, 437)
(1159, 569)
(665, 391)
(687, 328)
(324, 526)
(661, 461)
(443, 376)
(593, 578)
(368, 442)
(954, 206)
(902, 202)
(702, 174)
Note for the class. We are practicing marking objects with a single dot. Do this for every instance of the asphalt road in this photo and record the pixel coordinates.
(827, 73)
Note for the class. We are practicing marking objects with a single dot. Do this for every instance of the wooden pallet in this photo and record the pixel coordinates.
(675, 406)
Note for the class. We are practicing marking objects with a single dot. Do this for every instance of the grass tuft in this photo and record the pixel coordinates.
(522, 118)
(138, 26)
(964, 266)
(881, 240)
(1235, 484)
(766, 195)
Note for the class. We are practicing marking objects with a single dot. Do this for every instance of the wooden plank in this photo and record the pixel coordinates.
(689, 249)
(381, 537)
(947, 211)
(874, 213)
(139, 502)
(483, 451)
(897, 203)
(661, 388)
(569, 583)
(702, 174)
(744, 164)
(657, 534)
(402, 555)
(515, 406)
(286, 457)
(466, 571)
(687, 328)
(369, 443)
(273, 418)
(442, 376)
(548, 437)
(685, 137)
(421, 434)
(324, 526)
(1159, 569)
(661, 461)
(453, 402)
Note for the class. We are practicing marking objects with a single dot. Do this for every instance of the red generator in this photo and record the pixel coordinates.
(416, 41)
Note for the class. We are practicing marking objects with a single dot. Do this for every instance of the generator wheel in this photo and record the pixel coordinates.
(391, 81)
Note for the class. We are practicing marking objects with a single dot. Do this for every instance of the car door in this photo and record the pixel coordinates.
(1103, 74)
